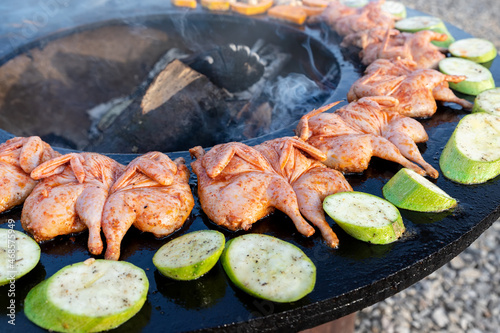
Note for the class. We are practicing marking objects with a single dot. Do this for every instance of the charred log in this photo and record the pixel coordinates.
(233, 67)
(179, 109)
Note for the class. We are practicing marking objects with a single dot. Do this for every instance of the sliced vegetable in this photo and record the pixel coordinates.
(365, 217)
(269, 268)
(395, 8)
(190, 256)
(354, 3)
(19, 254)
(488, 101)
(409, 190)
(184, 3)
(216, 5)
(312, 10)
(316, 3)
(259, 7)
(475, 49)
(90, 296)
(479, 78)
(293, 14)
(417, 23)
(472, 154)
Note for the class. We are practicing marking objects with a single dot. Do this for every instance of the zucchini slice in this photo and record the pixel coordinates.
(190, 256)
(488, 101)
(269, 268)
(365, 216)
(19, 254)
(354, 3)
(417, 23)
(475, 49)
(479, 78)
(90, 296)
(409, 190)
(395, 8)
(472, 154)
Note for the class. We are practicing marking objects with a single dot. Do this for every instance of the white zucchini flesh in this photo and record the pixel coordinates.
(472, 154)
(365, 217)
(395, 8)
(91, 296)
(354, 3)
(417, 23)
(269, 268)
(409, 190)
(478, 138)
(19, 254)
(475, 49)
(190, 256)
(478, 77)
(488, 101)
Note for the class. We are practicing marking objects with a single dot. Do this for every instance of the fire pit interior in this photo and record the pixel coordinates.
(166, 82)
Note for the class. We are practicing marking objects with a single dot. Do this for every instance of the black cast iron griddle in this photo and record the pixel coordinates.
(349, 278)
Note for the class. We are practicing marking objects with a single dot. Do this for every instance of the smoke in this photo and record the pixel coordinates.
(292, 96)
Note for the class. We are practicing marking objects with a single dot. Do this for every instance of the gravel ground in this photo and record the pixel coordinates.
(463, 295)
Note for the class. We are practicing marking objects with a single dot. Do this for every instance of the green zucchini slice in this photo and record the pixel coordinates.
(475, 49)
(409, 190)
(365, 216)
(269, 268)
(488, 101)
(90, 296)
(417, 23)
(472, 154)
(190, 256)
(19, 254)
(479, 78)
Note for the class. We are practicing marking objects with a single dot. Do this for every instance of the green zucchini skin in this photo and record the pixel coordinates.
(268, 268)
(41, 310)
(19, 252)
(199, 251)
(461, 169)
(374, 220)
(479, 78)
(404, 191)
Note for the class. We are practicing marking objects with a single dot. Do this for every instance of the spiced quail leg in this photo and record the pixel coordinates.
(311, 188)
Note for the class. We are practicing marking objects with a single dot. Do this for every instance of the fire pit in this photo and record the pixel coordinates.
(349, 278)
(104, 87)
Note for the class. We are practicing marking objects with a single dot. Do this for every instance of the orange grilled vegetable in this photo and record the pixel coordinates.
(316, 3)
(288, 13)
(248, 9)
(311, 11)
(218, 5)
(184, 3)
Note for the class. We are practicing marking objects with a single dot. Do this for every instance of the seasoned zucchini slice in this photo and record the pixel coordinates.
(269, 268)
(91, 296)
(365, 217)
